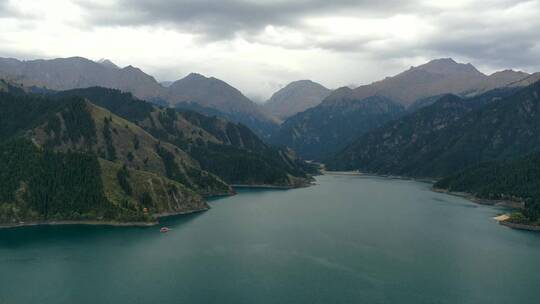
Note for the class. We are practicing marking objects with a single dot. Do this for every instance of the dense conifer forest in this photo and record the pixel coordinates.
(517, 180)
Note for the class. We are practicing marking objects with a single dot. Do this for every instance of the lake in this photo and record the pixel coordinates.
(349, 239)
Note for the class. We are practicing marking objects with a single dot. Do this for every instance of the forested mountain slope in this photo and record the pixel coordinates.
(226, 149)
(68, 159)
(516, 180)
(329, 127)
(450, 135)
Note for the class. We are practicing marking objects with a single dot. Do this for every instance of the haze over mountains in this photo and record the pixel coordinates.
(77, 72)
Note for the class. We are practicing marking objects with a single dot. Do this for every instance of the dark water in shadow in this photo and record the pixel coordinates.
(347, 240)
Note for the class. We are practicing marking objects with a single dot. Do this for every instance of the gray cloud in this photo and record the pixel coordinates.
(376, 39)
(219, 20)
(494, 37)
(4, 9)
(471, 33)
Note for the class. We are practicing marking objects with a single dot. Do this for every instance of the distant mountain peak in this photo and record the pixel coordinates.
(195, 76)
(107, 63)
(447, 66)
(296, 97)
(131, 68)
(448, 60)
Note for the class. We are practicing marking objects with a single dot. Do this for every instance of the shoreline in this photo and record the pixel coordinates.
(482, 201)
(515, 205)
(367, 174)
(502, 219)
(520, 226)
(347, 173)
(157, 217)
(263, 186)
(268, 186)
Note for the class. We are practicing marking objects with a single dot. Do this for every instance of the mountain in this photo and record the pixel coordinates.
(77, 72)
(229, 150)
(515, 180)
(212, 96)
(452, 134)
(330, 126)
(526, 81)
(296, 97)
(325, 129)
(166, 84)
(107, 63)
(68, 159)
(64, 157)
(440, 76)
(194, 91)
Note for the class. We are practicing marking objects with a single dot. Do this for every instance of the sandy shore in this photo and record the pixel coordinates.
(502, 218)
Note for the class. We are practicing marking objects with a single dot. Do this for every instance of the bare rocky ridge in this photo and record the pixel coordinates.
(212, 93)
(436, 77)
(526, 81)
(76, 72)
(296, 97)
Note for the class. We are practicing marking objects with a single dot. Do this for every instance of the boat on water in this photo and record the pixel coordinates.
(164, 229)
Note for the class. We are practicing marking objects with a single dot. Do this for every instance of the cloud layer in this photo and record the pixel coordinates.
(259, 45)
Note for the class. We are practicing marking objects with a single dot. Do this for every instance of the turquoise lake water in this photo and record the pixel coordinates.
(347, 240)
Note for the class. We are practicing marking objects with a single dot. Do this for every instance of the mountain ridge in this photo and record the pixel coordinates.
(77, 72)
(438, 140)
(436, 77)
(296, 97)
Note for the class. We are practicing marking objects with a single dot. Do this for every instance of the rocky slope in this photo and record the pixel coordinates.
(296, 97)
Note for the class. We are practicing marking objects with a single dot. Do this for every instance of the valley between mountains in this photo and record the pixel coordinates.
(85, 141)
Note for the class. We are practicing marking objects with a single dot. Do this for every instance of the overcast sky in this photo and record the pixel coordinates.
(260, 45)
